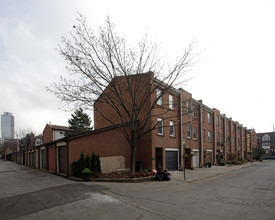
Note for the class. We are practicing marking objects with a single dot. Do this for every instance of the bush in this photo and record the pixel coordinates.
(229, 162)
(222, 163)
(95, 163)
(86, 170)
(80, 165)
(258, 152)
(88, 161)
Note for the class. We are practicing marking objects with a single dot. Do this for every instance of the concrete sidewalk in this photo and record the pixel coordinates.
(204, 173)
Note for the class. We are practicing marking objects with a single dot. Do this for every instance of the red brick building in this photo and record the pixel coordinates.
(177, 122)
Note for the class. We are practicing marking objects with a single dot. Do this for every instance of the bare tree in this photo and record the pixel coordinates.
(108, 74)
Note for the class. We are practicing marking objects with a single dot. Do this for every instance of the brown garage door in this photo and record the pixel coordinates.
(62, 159)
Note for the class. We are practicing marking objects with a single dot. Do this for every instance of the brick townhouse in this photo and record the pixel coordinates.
(209, 136)
(178, 122)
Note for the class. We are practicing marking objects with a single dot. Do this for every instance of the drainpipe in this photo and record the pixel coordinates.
(230, 135)
(201, 135)
(215, 138)
(181, 130)
(225, 138)
(242, 141)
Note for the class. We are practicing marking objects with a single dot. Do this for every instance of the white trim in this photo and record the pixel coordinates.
(209, 150)
(171, 149)
(59, 144)
(195, 150)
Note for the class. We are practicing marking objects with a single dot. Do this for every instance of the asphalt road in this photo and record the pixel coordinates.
(247, 193)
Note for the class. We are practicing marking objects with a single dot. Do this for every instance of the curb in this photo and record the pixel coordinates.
(117, 180)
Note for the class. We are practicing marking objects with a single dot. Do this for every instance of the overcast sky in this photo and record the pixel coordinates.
(235, 39)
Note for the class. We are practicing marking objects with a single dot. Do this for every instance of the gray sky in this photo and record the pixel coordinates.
(235, 39)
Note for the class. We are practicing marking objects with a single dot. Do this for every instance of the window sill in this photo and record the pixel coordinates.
(188, 137)
(172, 136)
(162, 135)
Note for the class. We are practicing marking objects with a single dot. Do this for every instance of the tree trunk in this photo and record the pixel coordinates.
(133, 154)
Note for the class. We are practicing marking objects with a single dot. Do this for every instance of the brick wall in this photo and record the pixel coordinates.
(105, 143)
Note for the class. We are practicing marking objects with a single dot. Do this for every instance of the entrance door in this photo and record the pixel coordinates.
(195, 159)
(62, 159)
(171, 158)
(159, 158)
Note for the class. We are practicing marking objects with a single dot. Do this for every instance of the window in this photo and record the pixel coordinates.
(172, 128)
(171, 102)
(188, 106)
(195, 112)
(194, 133)
(221, 139)
(266, 145)
(189, 131)
(203, 116)
(159, 97)
(233, 141)
(208, 118)
(160, 126)
(221, 122)
(209, 136)
(218, 121)
(266, 137)
(218, 137)
(203, 134)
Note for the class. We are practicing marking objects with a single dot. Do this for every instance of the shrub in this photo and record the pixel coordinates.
(80, 165)
(95, 163)
(258, 152)
(222, 163)
(229, 162)
(86, 170)
(88, 161)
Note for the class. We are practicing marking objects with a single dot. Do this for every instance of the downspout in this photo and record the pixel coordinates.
(181, 130)
(242, 141)
(225, 138)
(201, 136)
(215, 138)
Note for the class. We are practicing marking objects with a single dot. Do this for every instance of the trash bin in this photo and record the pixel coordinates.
(139, 165)
(75, 168)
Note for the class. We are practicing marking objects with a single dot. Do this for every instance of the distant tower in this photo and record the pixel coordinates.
(7, 126)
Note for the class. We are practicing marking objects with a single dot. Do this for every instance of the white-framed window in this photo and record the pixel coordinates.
(159, 97)
(188, 131)
(203, 134)
(218, 121)
(266, 145)
(160, 126)
(209, 136)
(233, 141)
(172, 129)
(209, 118)
(266, 137)
(203, 116)
(188, 107)
(218, 137)
(194, 133)
(171, 102)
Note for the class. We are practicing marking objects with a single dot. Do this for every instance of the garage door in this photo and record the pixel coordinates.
(62, 159)
(196, 159)
(171, 158)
